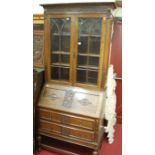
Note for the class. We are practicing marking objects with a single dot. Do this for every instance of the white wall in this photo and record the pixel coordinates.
(38, 9)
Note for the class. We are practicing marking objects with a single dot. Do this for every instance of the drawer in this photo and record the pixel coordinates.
(80, 134)
(44, 114)
(49, 127)
(54, 128)
(67, 119)
(73, 120)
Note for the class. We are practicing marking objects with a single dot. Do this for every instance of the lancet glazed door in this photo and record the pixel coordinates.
(59, 38)
(75, 49)
(90, 51)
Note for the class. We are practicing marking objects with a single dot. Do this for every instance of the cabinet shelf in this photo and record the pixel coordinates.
(62, 34)
(60, 52)
(88, 35)
(87, 67)
(63, 65)
(88, 54)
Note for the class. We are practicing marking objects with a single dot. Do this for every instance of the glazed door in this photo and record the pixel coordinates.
(89, 42)
(60, 49)
(75, 49)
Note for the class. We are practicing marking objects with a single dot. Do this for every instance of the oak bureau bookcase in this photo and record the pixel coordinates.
(77, 43)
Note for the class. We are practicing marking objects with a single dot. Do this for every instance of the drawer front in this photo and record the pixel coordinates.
(44, 114)
(49, 127)
(66, 131)
(67, 119)
(73, 120)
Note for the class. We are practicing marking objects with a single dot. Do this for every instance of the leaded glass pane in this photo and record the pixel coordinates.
(89, 37)
(60, 48)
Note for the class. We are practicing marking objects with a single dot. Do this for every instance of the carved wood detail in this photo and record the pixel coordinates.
(68, 99)
(84, 102)
(38, 48)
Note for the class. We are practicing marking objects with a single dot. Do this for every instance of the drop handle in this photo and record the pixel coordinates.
(79, 43)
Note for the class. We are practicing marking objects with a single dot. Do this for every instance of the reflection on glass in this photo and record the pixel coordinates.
(83, 45)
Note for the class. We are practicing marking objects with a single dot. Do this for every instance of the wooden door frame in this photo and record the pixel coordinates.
(103, 52)
(104, 49)
(47, 49)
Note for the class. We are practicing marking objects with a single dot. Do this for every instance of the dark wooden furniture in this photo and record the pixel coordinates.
(77, 39)
(38, 39)
(38, 65)
(71, 114)
(77, 42)
(38, 81)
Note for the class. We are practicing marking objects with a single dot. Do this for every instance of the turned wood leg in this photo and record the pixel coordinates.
(39, 142)
(95, 152)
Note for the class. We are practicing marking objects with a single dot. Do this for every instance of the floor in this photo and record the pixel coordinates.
(106, 149)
